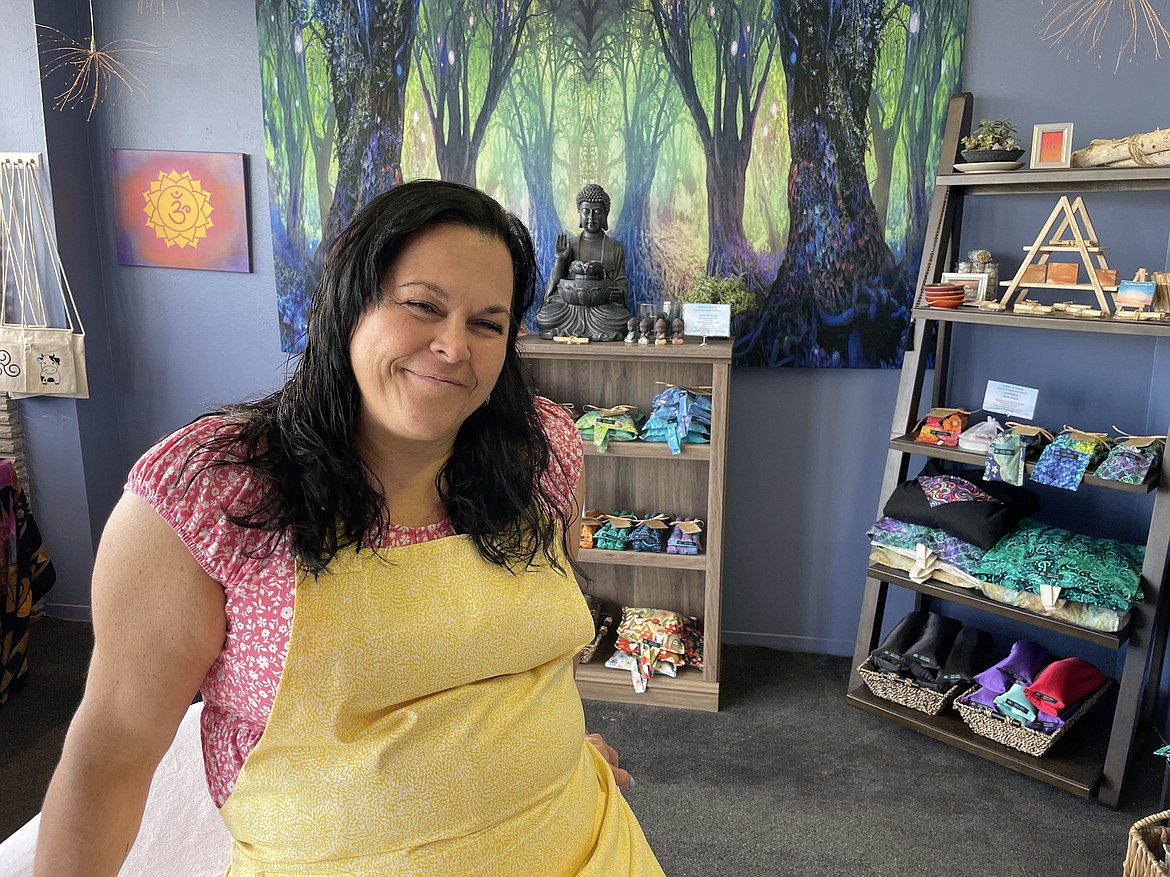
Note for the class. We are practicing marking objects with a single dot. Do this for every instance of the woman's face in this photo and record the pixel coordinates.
(429, 353)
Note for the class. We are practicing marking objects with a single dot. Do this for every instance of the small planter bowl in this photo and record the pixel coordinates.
(981, 155)
(949, 303)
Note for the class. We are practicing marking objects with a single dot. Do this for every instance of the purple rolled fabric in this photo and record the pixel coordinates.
(1021, 665)
(980, 697)
(1046, 724)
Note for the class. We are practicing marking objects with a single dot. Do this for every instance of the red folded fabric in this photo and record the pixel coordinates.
(1064, 683)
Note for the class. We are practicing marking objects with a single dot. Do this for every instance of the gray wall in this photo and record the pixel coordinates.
(807, 447)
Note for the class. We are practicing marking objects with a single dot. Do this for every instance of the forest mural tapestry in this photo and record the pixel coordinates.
(791, 141)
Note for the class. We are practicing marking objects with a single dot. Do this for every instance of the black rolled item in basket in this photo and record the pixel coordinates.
(890, 655)
(1145, 854)
(907, 692)
(990, 724)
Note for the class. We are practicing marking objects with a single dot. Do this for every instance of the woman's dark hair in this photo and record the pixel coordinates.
(300, 439)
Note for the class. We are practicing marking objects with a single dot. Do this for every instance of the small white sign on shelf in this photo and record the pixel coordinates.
(1010, 399)
(710, 321)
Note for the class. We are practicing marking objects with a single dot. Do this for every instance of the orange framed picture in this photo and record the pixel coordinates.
(1051, 145)
(181, 209)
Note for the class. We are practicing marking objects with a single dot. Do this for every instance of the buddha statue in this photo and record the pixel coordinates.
(586, 294)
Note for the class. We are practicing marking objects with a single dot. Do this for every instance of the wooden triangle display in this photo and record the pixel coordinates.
(1037, 272)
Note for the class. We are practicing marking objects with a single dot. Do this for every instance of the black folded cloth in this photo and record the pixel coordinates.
(925, 657)
(969, 654)
(890, 655)
(977, 522)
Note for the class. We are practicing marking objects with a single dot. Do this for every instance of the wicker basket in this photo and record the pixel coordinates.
(907, 692)
(1144, 854)
(1012, 733)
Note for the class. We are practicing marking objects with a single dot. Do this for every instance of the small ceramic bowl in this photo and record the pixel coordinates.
(941, 288)
(949, 303)
(954, 296)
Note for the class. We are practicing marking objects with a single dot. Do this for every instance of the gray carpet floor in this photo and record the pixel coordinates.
(786, 779)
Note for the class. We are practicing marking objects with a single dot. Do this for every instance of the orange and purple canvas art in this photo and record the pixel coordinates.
(181, 209)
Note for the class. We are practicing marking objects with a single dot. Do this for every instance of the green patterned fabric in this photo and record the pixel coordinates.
(1101, 572)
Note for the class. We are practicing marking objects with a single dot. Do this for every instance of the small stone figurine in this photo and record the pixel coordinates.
(631, 330)
(645, 326)
(660, 332)
(676, 329)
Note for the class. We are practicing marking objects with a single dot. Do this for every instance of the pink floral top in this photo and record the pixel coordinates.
(240, 686)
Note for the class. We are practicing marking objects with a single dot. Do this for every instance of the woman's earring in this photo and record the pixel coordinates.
(487, 399)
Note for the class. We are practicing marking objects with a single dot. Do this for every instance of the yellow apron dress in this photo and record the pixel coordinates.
(426, 723)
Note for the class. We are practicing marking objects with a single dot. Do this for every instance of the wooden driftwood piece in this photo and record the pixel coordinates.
(1139, 149)
(1154, 159)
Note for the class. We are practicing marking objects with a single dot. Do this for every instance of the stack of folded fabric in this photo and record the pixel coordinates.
(955, 561)
(962, 503)
(604, 425)
(937, 652)
(679, 416)
(591, 522)
(1060, 565)
(651, 533)
(653, 641)
(614, 534)
(1033, 688)
(686, 537)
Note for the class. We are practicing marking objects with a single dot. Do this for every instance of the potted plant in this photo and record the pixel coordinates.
(731, 291)
(993, 140)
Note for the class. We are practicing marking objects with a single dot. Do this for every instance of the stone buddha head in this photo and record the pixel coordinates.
(593, 208)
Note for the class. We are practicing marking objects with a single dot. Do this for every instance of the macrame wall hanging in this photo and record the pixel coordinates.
(42, 341)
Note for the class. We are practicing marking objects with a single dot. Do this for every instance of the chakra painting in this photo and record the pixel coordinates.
(181, 209)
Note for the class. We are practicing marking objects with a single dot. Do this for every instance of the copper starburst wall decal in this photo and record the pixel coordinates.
(93, 69)
(1090, 25)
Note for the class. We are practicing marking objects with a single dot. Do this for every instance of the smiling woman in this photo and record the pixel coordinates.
(428, 354)
(409, 492)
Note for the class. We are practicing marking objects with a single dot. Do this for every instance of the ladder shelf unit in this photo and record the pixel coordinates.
(1092, 759)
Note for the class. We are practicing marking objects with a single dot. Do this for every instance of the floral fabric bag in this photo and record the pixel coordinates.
(1132, 460)
(1072, 453)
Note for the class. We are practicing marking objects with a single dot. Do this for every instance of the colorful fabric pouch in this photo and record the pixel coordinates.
(1132, 460)
(1005, 459)
(1010, 450)
(680, 415)
(654, 638)
(686, 537)
(603, 425)
(650, 533)
(942, 426)
(1064, 462)
(614, 534)
(591, 522)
